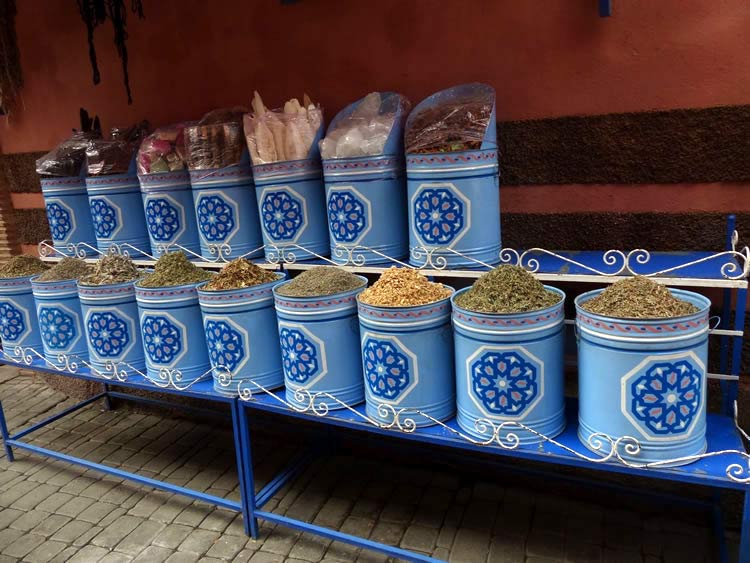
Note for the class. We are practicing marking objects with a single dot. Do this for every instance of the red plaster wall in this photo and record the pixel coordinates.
(544, 57)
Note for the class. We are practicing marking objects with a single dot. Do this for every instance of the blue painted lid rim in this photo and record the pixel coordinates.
(689, 296)
(509, 316)
(261, 286)
(313, 299)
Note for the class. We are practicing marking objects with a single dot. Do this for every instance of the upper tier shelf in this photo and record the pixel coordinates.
(727, 269)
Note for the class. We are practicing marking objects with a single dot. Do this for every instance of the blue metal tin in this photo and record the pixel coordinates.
(170, 211)
(407, 360)
(366, 209)
(111, 326)
(68, 213)
(319, 339)
(643, 381)
(454, 198)
(58, 311)
(509, 368)
(240, 329)
(168, 319)
(291, 201)
(117, 211)
(18, 321)
(226, 211)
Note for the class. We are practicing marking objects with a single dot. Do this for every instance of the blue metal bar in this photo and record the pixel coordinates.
(4, 434)
(55, 417)
(605, 8)
(745, 531)
(198, 495)
(159, 402)
(718, 522)
(239, 446)
(107, 401)
(246, 453)
(300, 462)
(347, 538)
(726, 310)
(739, 324)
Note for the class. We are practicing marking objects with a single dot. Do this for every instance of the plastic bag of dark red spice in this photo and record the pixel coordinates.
(457, 119)
(67, 158)
(115, 155)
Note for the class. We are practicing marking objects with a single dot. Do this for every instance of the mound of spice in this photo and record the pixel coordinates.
(507, 289)
(321, 281)
(638, 298)
(111, 269)
(67, 269)
(403, 287)
(174, 268)
(22, 266)
(240, 273)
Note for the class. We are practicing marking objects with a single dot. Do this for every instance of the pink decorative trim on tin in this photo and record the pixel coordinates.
(509, 322)
(315, 304)
(54, 182)
(88, 290)
(210, 296)
(293, 166)
(96, 182)
(161, 177)
(10, 282)
(52, 286)
(232, 172)
(643, 329)
(401, 314)
(450, 159)
(377, 164)
(186, 291)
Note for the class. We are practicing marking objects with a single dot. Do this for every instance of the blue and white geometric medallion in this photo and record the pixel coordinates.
(303, 355)
(390, 369)
(441, 214)
(60, 218)
(283, 213)
(164, 218)
(58, 327)
(109, 333)
(162, 339)
(106, 217)
(13, 322)
(228, 343)
(218, 216)
(349, 215)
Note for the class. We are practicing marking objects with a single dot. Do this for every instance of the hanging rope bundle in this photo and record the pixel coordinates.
(11, 77)
(96, 12)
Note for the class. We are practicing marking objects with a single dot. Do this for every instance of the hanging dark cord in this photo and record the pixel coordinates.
(96, 12)
(11, 77)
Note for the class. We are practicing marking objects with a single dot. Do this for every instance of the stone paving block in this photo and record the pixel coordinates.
(96, 512)
(77, 485)
(9, 515)
(140, 538)
(470, 546)
(87, 536)
(46, 551)
(24, 545)
(237, 527)
(218, 520)
(507, 549)
(97, 489)
(72, 530)
(74, 506)
(366, 508)
(309, 548)
(146, 506)
(65, 555)
(153, 554)
(578, 552)
(168, 511)
(8, 536)
(63, 477)
(88, 554)
(193, 515)
(116, 531)
(265, 557)
(114, 557)
(121, 493)
(480, 514)
(333, 512)
(172, 536)
(540, 544)
(199, 541)
(183, 557)
(50, 525)
(419, 538)
(29, 520)
(54, 501)
(388, 532)
(226, 547)
(8, 497)
(280, 541)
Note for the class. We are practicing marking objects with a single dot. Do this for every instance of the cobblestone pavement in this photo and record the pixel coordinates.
(52, 511)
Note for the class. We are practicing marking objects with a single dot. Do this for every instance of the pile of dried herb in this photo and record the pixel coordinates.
(507, 289)
(403, 287)
(240, 273)
(67, 269)
(638, 298)
(321, 281)
(22, 266)
(174, 268)
(113, 268)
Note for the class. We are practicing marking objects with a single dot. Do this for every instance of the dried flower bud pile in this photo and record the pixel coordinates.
(403, 287)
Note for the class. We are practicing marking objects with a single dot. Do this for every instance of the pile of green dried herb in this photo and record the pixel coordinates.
(22, 266)
(507, 289)
(174, 268)
(321, 281)
(67, 269)
(638, 298)
(240, 273)
(111, 269)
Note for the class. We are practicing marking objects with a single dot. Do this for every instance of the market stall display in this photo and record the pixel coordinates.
(19, 327)
(363, 166)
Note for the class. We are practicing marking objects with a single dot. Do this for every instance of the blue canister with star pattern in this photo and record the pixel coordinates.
(642, 383)
(176, 353)
(58, 311)
(170, 211)
(226, 211)
(407, 360)
(319, 338)
(241, 335)
(509, 373)
(19, 326)
(110, 323)
(69, 215)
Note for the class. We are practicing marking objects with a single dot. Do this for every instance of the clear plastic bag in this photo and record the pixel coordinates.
(163, 150)
(456, 119)
(363, 128)
(114, 155)
(282, 135)
(216, 141)
(68, 157)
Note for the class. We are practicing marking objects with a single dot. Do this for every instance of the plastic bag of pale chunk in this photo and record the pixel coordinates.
(364, 127)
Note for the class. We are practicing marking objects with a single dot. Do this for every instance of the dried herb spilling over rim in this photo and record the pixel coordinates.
(174, 269)
(22, 266)
(403, 287)
(67, 269)
(321, 281)
(112, 269)
(240, 273)
(638, 298)
(507, 289)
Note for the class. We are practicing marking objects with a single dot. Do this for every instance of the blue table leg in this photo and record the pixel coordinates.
(243, 450)
(107, 400)
(4, 433)
(745, 531)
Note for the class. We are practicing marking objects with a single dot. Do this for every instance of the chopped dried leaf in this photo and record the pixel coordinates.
(67, 269)
(507, 289)
(321, 281)
(240, 273)
(22, 266)
(112, 269)
(174, 268)
(638, 298)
